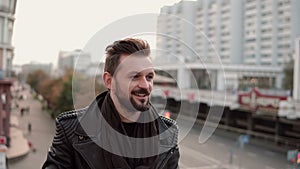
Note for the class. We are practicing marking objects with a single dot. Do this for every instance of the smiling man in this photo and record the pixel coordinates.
(120, 128)
(130, 88)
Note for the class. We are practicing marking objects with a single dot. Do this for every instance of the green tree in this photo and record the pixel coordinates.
(65, 98)
(50, 89)
(35, 78)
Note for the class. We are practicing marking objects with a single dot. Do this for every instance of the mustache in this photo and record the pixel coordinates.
(141, 91)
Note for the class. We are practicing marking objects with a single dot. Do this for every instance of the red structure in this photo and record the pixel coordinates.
(257, 101)
(5, 108)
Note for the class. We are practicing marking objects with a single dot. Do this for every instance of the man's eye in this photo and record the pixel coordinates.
(150, 77)
(135, 77)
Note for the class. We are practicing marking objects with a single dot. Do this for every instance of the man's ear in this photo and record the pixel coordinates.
(107, 78)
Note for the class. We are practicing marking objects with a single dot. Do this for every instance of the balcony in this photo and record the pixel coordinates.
(284, 51)
(285, 7)
(225, 15)
(225, 8)
(284, 42)
(250, 13)
(266, 8)
(250, 47)
(225, 45)
(284, 33)
(266, 51)
(250, 61)
(225, 53)
(266, 60)
(249, 52)
(250, 22)
(267, 17)
(250, 5)
(250, 36)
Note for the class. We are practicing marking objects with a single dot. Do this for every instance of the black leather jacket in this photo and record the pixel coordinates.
(72, 148)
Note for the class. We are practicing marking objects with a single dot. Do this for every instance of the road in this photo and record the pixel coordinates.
(213, 154)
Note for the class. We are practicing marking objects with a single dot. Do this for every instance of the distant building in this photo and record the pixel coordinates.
(94, 70)
(270, 29)
(251, 32)
(76, 59)
(5, 109)
(32, 67)
(7, 11)
(17, 69)
(173, 30)
(259, 34)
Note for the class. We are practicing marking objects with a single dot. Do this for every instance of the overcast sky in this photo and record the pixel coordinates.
(45, 27)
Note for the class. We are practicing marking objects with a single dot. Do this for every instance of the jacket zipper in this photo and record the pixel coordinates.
(168, 157)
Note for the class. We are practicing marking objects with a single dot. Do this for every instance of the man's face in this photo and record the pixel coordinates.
(133, 82)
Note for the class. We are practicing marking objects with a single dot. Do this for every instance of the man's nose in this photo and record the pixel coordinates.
(143, 83)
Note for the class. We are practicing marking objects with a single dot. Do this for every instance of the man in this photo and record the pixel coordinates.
(120, 128)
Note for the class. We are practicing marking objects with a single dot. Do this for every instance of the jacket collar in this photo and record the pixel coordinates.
(87, 136)
(91, 117)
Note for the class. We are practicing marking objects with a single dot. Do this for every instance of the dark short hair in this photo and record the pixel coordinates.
(127, 46)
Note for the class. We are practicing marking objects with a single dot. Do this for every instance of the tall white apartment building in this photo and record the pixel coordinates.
(209, 30)
(219, 29)
(172, 31)
(270, 29)
(252, 32)
(256, 36)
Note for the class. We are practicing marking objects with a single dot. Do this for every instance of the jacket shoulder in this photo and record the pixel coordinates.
(169, 122)
(66, 124)
(69, 115)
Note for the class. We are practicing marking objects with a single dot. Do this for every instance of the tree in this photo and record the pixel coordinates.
(65, 98)
(59, 92)
(289, 75)
(50, 89)
(34, 79)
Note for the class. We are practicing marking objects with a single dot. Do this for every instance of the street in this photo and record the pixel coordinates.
(213, 154)
(41, 135)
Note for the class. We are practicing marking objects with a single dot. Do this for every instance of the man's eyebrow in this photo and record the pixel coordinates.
(137, 73)
(134, 73)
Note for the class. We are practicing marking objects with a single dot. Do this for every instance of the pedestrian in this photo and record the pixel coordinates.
(31, 146)
(120, 128)
(29, 128)
(22, 111)
(52, 114)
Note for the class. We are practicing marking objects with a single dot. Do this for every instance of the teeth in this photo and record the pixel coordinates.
(142, 95)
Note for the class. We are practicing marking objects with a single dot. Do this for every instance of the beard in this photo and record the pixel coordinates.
(131, 104)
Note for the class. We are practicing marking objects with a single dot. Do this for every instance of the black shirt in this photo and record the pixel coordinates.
(130, 128)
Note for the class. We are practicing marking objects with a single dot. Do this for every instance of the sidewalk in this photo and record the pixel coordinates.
(29, 148)
(18, 144)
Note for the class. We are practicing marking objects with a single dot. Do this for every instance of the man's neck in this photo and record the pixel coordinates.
(129, 117)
